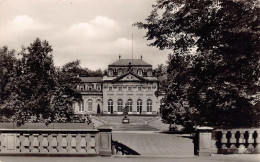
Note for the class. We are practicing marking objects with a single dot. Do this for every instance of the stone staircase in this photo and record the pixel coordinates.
(115, 122)
(131, 127)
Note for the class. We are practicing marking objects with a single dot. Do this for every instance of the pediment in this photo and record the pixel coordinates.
(130, 77)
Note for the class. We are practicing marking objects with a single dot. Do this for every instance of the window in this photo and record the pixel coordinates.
(139, 88)
(119, 88)
(110, 105)
(110, 72)
(130, 105)
(149, 105)
(98, 87)
(82, 87)
(89, 105)
(109, 88)
(140, 72)
(149, 88)
(90, 87)
(139, 105)
(129, 88)
(120, 72)
(119, 105)
(149, 73)
(81, 106)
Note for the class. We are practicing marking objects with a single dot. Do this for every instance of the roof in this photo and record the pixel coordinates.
(91, 79)
(117, 78)
(125, 62)
(122, 76)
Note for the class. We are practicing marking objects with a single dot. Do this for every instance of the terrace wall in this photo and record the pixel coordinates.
(226, 141)
(85, 142)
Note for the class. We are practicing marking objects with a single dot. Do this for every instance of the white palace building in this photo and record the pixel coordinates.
(129, 82)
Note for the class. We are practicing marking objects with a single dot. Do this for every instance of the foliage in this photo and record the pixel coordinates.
(8, 80)
(36, 81)
(65, 93)
(214, 68)
(161, 73)
(33, 89)
(161, 70)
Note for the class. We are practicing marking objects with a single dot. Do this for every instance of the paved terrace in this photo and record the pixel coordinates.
(155, 143)
(216, 158)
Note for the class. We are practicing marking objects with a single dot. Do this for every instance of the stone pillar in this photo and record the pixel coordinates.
(202, 141)
(105, 141)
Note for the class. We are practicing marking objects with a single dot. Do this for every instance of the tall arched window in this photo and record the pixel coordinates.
(120, 105)
(149, 105)
(110, 105)
(130, 105)
(81, 106)
(139, 105)
(90, 105)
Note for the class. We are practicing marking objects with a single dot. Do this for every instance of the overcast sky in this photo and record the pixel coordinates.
(92, 31)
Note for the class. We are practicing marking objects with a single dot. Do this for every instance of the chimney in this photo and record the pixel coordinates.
(119, 56)
(141, 57)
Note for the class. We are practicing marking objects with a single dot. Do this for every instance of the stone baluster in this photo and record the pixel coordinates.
(224, 139)
(257, 140)
(25, 143)
(83, 143)
(73, 143)
(63, 143)
(242, 142)
(250, 141)
(92, 144)
(233, 139)
(53, 143)
(35, 143)
(44, 143)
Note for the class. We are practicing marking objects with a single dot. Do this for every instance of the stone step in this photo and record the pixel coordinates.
(131, 127)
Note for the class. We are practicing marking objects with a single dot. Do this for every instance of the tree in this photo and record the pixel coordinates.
(36, 81)
(161, 70)
(8, 80)
(214, 67)
(66, 93)
(161, 74)
(32, 88)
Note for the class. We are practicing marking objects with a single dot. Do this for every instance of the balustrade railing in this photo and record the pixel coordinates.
(237, 140)
(121, 149)
(55, 141)
(226, 141)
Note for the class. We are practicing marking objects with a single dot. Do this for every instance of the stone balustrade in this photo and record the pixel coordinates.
(237, 140)
(121, 149)
(226, 141)
(56, 141)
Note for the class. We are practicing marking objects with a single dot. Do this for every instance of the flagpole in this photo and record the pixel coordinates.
(132, 50)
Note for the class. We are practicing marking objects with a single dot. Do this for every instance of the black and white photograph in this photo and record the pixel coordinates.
(129, 80)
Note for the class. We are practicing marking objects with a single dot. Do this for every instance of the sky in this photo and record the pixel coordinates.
(92, 31)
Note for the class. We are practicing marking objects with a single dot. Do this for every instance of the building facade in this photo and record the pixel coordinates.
(128, 83)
